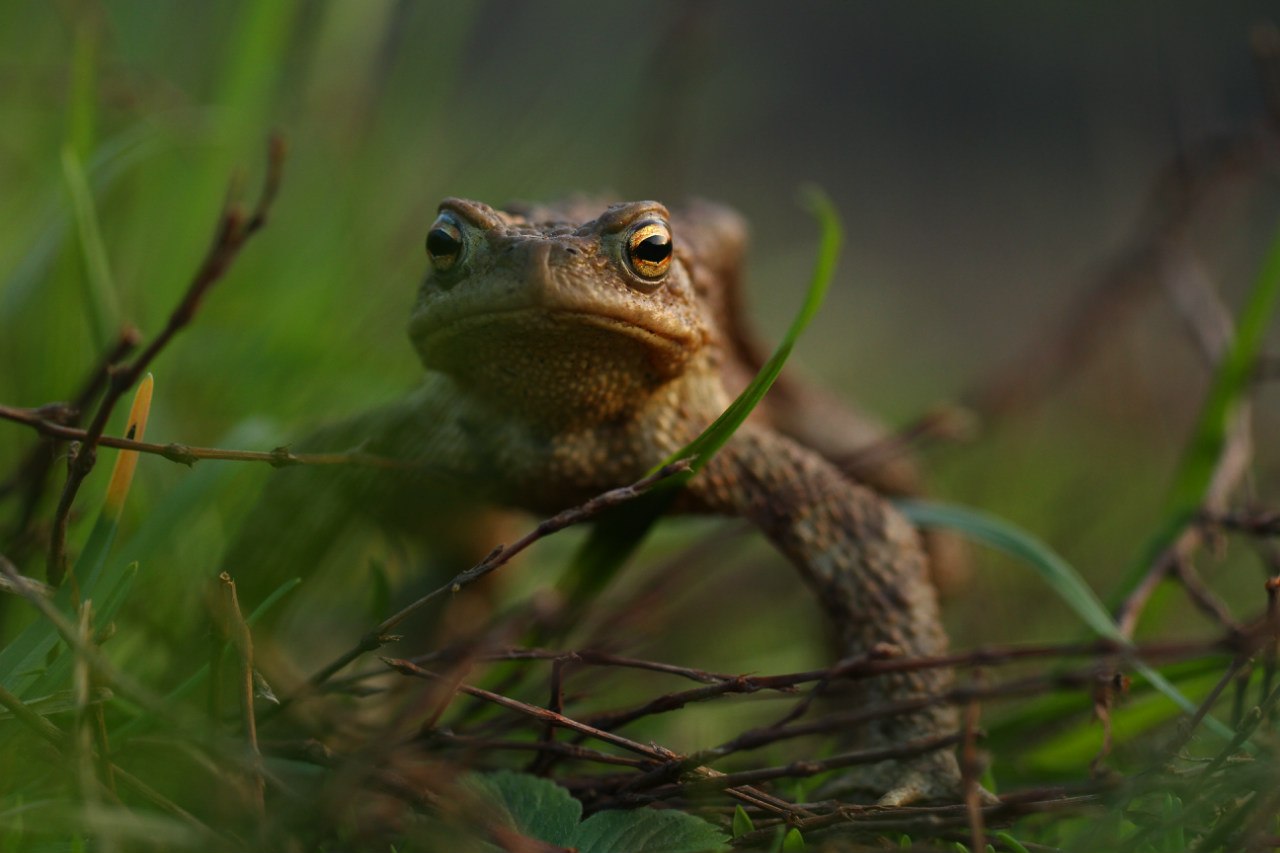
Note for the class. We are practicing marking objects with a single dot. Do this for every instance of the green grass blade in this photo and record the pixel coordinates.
(1230, 383)
(22, 662)
(1228, 388)
(100, 300)
(616, 535)
(82, 103)
(722, 429)
(41, 244)
(991, 530)
(1060, 575)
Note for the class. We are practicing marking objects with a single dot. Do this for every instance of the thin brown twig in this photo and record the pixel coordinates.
(31, 473)
(559, 748)
(232, 232)
(235, 631)
(185, 454)
(380, 634)
(805, 768)
(1203, 710)
(969, 772)
(652, 752)
(1248, 640)
(1203, 597)
(37, 723)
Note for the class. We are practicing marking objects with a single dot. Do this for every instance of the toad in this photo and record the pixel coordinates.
(571, 348)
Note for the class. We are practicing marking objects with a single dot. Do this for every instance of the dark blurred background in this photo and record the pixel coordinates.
(987, 160)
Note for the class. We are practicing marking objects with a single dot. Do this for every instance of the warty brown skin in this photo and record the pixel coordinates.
(563, 361)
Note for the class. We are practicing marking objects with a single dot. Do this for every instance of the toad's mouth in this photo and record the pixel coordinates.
(582, 354)
(430, 332)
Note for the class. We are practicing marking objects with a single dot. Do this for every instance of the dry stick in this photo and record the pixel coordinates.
(969, 766)
(1203, 598)
(542, 762)
(380, 634)
(82, 687)
(38, 724)
(564, 750)
(233, 230)
(24, 584)
(944, 423)
(717, 780)
(653, 752)
(1104, 694)
(863, 667)
(186, 454)
(236, 632)
(1211, 325)
(1202, 711)
(31, 473)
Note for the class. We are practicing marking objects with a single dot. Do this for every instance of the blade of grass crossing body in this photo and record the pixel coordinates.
(616, 535)
(1060, 575)
(22, 662)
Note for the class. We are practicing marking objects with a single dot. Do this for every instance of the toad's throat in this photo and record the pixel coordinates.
(553, 365)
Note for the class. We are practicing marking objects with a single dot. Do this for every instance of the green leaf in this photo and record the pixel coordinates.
(647, 831)
(616, 535)
(535, 807)
(741, 822)
(1010, 842)
(541, 809)
(793, 842)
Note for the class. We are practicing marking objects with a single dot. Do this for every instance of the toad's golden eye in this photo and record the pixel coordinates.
(444, 243)
(649, 249)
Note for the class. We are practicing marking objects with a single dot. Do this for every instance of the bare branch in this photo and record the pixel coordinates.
(230, 236)
(185, 454)
(380, 634)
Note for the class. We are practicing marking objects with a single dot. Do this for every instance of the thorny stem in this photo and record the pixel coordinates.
(233, 230)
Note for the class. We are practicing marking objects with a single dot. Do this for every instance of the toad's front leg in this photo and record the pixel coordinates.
(866, 565)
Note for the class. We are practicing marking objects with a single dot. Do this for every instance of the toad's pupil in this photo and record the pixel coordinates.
(440, 242)
(653, 249)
